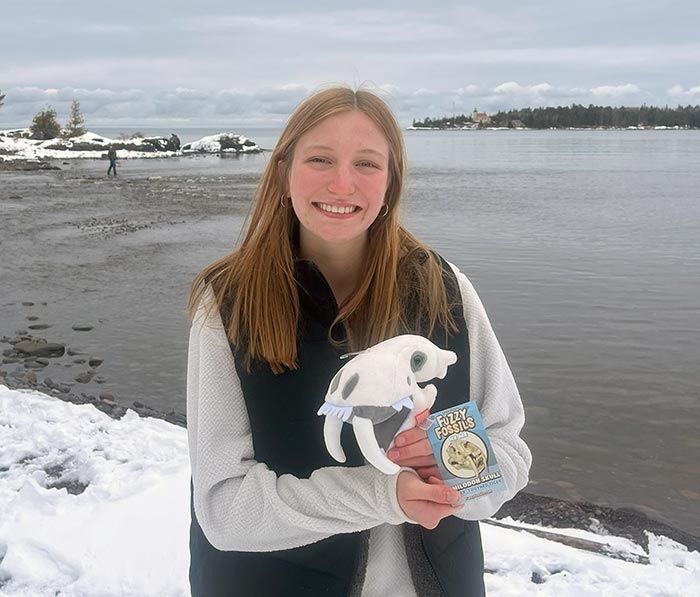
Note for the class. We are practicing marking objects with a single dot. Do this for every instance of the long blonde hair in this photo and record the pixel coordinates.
(254, 286)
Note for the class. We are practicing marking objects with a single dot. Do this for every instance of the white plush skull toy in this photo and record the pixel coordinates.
(377, 392)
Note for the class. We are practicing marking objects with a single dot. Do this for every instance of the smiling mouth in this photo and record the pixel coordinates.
(335, 209)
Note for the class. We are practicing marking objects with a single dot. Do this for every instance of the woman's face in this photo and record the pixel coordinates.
(338, 178)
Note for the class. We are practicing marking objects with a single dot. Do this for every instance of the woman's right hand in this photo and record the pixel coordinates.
(426, 503)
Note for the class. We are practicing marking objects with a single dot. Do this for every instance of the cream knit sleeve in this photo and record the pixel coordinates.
(240, 504)
(493, 388)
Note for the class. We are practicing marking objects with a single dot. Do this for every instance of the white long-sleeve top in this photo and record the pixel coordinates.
(241, 505)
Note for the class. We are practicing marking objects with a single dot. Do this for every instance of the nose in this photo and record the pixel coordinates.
(342, 181)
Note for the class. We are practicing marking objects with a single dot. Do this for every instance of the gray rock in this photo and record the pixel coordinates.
(39, 326)
(39, 348)
(33, 365)
(95, 362)
(75, 351)
(82, 327)
(31, 317)
(83, 377)
(59, 387)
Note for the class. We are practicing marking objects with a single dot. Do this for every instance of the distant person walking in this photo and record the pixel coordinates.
(112, 155)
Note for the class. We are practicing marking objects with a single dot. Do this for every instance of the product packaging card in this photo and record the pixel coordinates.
(463, 451)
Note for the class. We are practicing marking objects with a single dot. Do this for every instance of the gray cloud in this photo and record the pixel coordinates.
(167, 61)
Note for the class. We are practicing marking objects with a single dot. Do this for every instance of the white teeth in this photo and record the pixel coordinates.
(336, 210)
(342, 412)
(399, 404)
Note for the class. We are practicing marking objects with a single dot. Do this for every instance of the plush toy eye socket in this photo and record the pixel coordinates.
(418, 359)
(350, 385)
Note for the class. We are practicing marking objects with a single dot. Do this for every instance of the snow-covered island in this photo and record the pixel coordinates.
(91, 504)
(17, 144)
(221, 143)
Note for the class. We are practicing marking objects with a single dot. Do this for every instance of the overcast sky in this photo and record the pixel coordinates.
(210, 63)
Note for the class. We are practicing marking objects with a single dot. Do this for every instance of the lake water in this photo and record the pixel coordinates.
(583, 245)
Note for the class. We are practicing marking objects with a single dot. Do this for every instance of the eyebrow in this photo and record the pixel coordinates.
(326, 148)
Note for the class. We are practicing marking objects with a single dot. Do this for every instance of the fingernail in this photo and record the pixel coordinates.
(393, 453)
(398, 442)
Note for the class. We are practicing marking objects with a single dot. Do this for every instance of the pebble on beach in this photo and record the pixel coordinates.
(80, 327)
(39, 348)
(84, 377)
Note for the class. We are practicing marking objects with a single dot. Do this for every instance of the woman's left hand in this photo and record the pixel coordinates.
(412, 448)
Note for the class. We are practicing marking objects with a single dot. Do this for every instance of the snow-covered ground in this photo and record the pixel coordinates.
(94, 506)
(15, 146)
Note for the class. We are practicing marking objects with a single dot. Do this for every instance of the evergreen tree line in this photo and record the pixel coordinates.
(445, 122)
(579, 116)
(45, 123)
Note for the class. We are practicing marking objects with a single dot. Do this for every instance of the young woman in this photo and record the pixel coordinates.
(326, 268)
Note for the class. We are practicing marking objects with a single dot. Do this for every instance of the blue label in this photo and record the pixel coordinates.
(463, 451)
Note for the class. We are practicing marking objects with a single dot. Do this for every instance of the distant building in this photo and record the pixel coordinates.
(518, 124)
(481, 117)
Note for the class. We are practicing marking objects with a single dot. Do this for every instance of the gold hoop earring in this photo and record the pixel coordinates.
(386, 210)
(282, 203)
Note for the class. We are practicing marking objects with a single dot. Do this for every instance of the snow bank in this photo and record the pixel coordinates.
(222, 143)
(15, 144)
(90, 506)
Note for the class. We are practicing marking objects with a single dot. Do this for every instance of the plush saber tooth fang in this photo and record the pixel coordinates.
(377, 392)
(332, 427)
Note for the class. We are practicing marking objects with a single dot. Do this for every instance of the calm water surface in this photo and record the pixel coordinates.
(582, 245)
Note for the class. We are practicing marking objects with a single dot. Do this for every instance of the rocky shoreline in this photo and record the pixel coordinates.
(19, 145)
(27, 355)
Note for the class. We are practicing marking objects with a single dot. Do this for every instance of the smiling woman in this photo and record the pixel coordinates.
(326, 268)
(337, 193)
